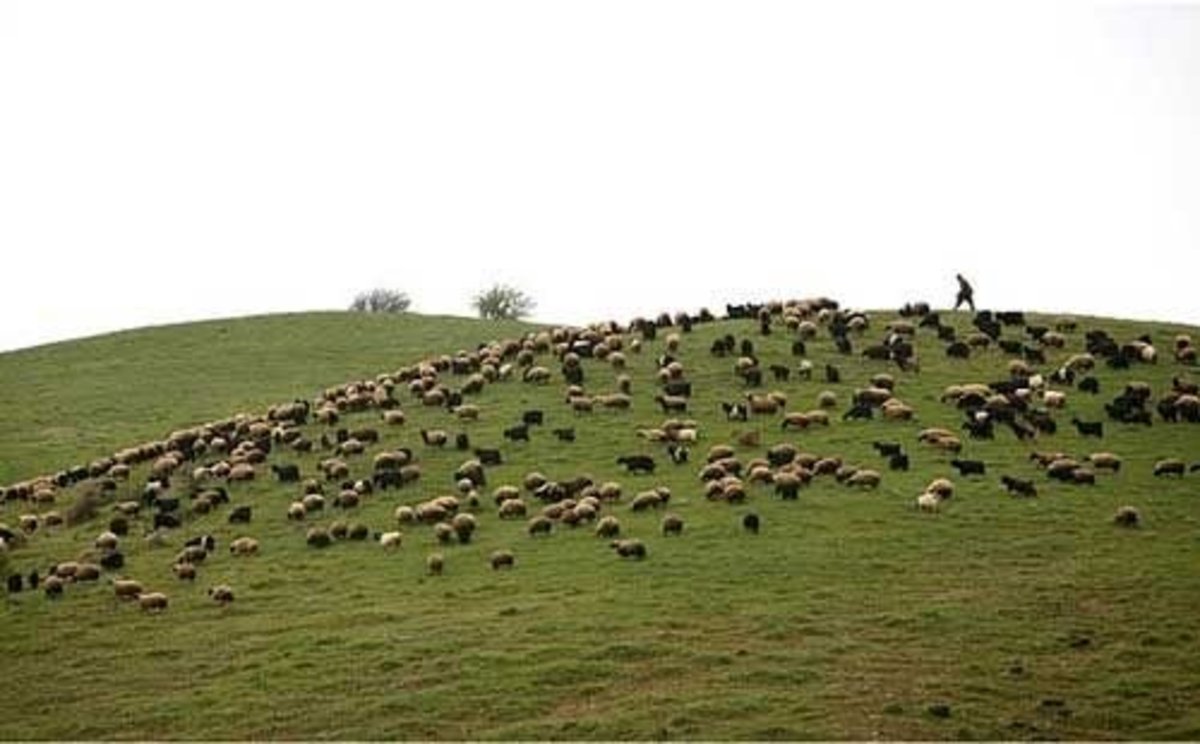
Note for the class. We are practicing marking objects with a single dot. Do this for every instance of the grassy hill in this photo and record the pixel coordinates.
(850, 615)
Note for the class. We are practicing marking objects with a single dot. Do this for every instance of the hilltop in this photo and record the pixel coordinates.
(850, 614)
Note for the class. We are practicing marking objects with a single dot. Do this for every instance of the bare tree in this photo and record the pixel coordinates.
(502, 302)
(381, 301)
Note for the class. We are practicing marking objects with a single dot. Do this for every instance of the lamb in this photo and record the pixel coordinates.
(629, 548)
(502, 559)
(244, 546)
(929, 502)
(152, 602)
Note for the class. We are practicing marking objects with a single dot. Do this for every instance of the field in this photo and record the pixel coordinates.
(850, 614)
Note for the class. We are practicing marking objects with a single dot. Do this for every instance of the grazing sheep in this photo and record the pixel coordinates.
(751, 523)
(53, 587)
(1169, 466)
(222, 594)
(1089, 428)
(434, 438)
(153, 602)
(318, 537)
(185, 571)
(127, 588)
(865, 478)
(608, 527)
(672, 525)
(502, 559)
(943, 488)
(929, 502)
(244, 546)
(435, 563)
(1127, 516)
(637, 463)
(1105, 461)
(512, 509)
(969, 467)
(1018, 487)
(107, 541)
(394, 417)
(539, 526)
(631, 548)
(464, 526)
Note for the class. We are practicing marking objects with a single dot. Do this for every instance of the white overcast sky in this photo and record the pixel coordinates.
(168, 161)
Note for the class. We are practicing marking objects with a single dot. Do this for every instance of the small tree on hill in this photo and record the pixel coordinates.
(381, 301)
(503, 302)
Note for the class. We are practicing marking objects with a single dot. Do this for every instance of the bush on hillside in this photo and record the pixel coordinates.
(381, 301)
(503, 302)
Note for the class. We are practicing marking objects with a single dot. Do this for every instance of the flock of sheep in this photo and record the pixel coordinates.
(194, 473)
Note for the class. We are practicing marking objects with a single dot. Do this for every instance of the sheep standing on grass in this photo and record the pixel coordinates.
(1127, 516)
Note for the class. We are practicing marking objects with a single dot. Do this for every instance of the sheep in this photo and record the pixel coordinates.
(896, 410)
(153, 602)
(222, 594)
(795, 420)
(539, 526)
(1018, 487)
(608, 527)
(435, 563)
(1089, 428)
(1105, 461)
(467, 412)
(241, 472)
(637, 463)
(464, 526)
(512, 509)
(867, 478)
(928, 502)
(87, 572)
(943, 488)
(1127, 516)
(631, 548)
(502, 559)
(240, 515)
(672, 524)
(318, 537)
(107, 541)
(53, 587)
(751, 523)
(394, 417)
(646, 500)
(1169, 466)
(244, 546)
(434, 437)
(969, 467)
(184, 571)
(1054, 399)
(127, 588)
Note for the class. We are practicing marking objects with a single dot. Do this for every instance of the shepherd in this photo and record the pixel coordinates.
(965, 293)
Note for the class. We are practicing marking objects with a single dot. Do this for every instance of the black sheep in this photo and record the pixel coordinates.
(898, 461)
(888, 449)
(1018, 487)
(565, 434)
(286, 473)
(16, 583)
(240, 515)
(750, 523)
(969, 467)
(1089, 428)
(637, 463)
(533, 418)
(488, 456)
(517, 433)
(462, 442)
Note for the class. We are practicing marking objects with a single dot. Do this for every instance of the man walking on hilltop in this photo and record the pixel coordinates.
(965, 293)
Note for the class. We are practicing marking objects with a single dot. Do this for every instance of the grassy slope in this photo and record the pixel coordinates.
(847, 617)
(69, 402)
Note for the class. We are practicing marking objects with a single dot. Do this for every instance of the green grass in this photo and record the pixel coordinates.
(847, 617)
